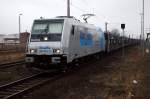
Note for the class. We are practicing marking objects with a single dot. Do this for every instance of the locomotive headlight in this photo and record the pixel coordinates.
(45, 38)
(32, 50)
(56, 51)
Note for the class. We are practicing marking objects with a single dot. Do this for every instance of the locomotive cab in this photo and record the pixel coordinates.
(45, 44)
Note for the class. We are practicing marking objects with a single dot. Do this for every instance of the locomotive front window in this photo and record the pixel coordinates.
(39, 28)
(55, 28)
(52, 30)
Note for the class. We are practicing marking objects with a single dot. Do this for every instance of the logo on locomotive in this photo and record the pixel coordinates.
(86, 38)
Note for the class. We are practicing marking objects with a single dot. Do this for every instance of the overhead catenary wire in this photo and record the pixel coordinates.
(78, 8)
(73, 5)
(76, 5)
(85, 4)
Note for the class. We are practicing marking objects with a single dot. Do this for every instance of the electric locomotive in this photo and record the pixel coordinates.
(55, 42)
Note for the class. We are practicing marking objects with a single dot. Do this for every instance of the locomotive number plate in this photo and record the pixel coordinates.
(45, 50)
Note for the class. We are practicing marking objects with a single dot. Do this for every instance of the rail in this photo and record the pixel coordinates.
(20, 87)
(11, 64)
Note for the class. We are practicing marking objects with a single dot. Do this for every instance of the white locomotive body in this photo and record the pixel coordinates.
(61, 40)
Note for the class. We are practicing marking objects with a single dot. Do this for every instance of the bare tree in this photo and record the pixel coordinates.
(115, 32)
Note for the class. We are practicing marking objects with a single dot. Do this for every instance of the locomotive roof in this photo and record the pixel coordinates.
(69, 18)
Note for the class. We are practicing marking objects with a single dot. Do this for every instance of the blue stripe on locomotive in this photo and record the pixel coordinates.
(95, 38)
(86, 39)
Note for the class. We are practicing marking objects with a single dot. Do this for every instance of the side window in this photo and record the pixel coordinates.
(72, 30)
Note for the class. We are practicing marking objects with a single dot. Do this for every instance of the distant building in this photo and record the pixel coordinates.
(2, 38)
(14, 41)
(11, 38)
(14, 38)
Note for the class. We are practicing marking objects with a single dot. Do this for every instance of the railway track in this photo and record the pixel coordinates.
(7, 51)
(11, 64)
(18, 88)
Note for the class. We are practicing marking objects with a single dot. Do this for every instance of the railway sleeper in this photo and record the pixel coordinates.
(18, 88)
(3, 93)
(9, 90)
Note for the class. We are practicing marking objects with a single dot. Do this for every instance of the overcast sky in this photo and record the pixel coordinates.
(114, 12)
